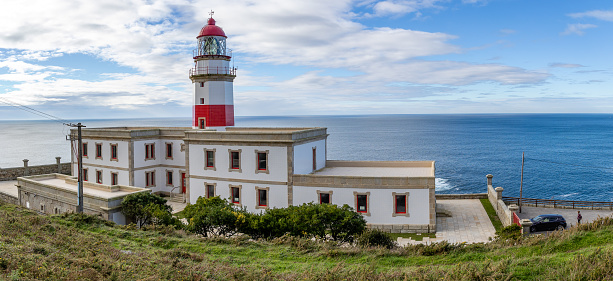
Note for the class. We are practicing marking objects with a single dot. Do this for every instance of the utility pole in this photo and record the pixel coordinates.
(80, 167)
(521, 181)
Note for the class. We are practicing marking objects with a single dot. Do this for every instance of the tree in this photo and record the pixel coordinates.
(213, 216)
(142, 207)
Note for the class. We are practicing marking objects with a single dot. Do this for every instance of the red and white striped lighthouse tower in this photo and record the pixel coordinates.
(212, 77)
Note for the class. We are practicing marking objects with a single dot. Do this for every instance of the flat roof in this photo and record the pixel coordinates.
(69, 183)
(61, 183)
(402, 169)
(411, 172)
(9, 187)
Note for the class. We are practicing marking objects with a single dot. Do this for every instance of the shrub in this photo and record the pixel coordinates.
(511, 232)
(375, 238)
(144, 207)
(213, 216)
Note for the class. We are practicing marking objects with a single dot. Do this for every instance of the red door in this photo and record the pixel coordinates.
(183, 182)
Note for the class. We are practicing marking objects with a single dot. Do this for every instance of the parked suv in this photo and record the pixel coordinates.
(547, 222)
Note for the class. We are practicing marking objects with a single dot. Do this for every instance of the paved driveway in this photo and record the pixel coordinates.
(569, 214)
(468, 223)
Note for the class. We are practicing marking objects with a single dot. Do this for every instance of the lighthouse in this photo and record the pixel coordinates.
(212, 77)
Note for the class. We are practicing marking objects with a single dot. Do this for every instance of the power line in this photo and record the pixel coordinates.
(568, 164)
(34, 111)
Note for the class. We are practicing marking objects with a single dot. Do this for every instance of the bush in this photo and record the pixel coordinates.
(213, 216)
(310, 220)
(376, 238)
(145, 208)
(511, 232)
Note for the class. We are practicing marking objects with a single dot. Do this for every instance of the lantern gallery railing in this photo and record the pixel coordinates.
(208, 70)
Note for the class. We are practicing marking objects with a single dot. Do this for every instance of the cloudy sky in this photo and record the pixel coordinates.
(120, 58)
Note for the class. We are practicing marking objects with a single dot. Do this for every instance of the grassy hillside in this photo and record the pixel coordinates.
(74, 247)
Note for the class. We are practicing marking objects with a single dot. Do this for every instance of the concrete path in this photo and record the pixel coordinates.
(176, 207)
(569, 214)
(8, 187)
(468, 223)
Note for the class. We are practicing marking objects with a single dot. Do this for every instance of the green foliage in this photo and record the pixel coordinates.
(375, 238)
(88, 250)
(145, 208)
(322, 221)
(512, 232)
(213, 217)
(491, 213)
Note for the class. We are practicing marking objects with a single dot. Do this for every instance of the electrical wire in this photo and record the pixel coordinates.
(568, 164)
(34, 111)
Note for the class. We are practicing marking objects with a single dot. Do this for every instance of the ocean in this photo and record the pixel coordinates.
(567, 156)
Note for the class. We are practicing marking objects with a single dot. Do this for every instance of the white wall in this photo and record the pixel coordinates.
(122, 153)
(277, 194)
(139, 153)
(381, 203)
(215, 87)
(303, 156)
(277, 162)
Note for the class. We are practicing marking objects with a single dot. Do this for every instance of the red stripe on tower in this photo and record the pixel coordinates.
(216, 115)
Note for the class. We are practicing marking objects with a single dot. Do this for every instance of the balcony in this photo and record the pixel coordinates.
(212, 70)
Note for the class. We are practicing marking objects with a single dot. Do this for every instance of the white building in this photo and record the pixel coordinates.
(258, 168)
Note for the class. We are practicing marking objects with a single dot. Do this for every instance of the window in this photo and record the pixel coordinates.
(202, 123)
(324, 198)
(169, 150)
(210, 190)
(149, 151)
(261, 164)
(84, 174)
(235, 194)
(401, 204)
(98, 176)
(113, 152)
(262, 197)
(150, 179)
(114, 179)
(235, 160)
(362, 202)
(201, 100)
(98, 151)
(84, 149)
(201, 84)
(169, 178)
(42, 208)
(314, 158)
(209, 159)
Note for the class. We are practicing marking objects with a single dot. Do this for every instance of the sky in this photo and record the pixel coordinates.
(130, 59)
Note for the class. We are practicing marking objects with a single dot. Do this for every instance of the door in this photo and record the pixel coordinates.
(183, 182)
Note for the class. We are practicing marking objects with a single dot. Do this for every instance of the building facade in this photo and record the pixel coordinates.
(255, 168)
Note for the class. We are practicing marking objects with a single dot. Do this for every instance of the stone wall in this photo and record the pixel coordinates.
(404, 228)
(9, 199)
(461, 196)
(13, 173)
(495, 197)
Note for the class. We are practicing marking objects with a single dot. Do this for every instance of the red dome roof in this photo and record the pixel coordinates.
(211, 30)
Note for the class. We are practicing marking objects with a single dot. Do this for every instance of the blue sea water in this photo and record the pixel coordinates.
(568, 156)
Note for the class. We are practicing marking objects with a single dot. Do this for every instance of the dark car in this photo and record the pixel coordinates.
(547, 222)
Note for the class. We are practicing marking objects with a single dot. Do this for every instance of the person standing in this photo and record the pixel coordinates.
(579, 217)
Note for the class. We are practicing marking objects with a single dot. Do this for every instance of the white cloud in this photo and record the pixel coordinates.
(565, 65)
(597, 14)
(155, 39)
(577, 28)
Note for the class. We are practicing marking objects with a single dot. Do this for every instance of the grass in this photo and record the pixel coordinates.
(80, 247)
(491, 212)
(414, 236)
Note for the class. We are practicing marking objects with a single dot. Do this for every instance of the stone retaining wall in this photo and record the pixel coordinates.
(13, 173)
(461, 196)
(495, 197)
(9, 199)
(404, 228)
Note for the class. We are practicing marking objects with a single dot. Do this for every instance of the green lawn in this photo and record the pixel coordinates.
(73, 247)
(491, 212)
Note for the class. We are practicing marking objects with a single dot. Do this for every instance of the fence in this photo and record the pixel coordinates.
(12, 173)
(553, 203)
